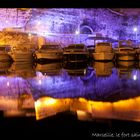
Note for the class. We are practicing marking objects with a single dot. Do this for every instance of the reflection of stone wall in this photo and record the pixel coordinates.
(103, 69)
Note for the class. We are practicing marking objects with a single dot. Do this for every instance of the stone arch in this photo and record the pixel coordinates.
(90, 73)
(85, 29)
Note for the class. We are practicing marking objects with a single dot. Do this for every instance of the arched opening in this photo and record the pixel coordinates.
(86, 30)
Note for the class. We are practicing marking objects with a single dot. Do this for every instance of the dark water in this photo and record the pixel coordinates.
(95, 92)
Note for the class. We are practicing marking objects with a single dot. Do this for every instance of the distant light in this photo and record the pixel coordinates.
(77, 32)
(39, 74)
(40, 82)
(18, 26)
(85, 71)
(134, 77)
(38, 23)
(29, 34)
(135, 29)
(8, 84)
(6, 21)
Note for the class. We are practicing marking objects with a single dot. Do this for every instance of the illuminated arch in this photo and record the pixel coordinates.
(90, 73)
(86, 27)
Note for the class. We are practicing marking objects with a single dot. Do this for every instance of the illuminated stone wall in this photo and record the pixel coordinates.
(59, 24)
(13, 17)
(49, 22)
(14, 39)
(129, 24)
(67, 20)
(9, 38)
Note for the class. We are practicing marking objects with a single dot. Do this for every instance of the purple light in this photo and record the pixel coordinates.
(7, 21)
(134, 77)
(8, 83)
(77, 32)
(135, 29)
(38, 23)
(13, 86)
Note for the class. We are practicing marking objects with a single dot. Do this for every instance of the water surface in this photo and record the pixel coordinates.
(89, 90)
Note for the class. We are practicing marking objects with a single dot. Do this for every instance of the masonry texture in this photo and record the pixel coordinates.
(58, 25)
(67, 21)
(14, 39)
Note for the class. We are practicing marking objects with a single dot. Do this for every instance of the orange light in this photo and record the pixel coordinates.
(37, 103)
(50, 101)
(29, 34)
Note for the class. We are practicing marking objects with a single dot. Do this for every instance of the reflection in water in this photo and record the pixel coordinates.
(75, 68)
(138, 64)
(63, 84)
(103, 68)
(84, 116)
(125, 72)
(4, 68)
(49, 68)
(23, 69)
(103, 91)
(15, 96)
(88, 110)
(88, 86)
(47, 106)
(24, 106)
(126, 64)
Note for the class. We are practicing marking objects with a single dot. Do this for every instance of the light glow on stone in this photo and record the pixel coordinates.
(135, 29)
(29, 34)
(7, 21)
(38, 23)
(134, 77)
(40, 82)
(50, 101)
(8, 84)
(77, 32)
